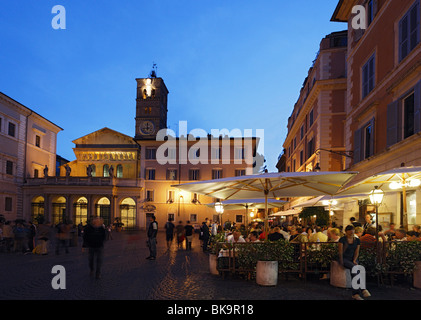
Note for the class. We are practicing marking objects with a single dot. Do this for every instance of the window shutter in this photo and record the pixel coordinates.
(392, 123)
(417, 107)
(373, 134)
(403, 38)
(357, 146)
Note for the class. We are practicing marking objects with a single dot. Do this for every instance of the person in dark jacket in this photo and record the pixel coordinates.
(94, 238)
(152, 233)
(205, 235)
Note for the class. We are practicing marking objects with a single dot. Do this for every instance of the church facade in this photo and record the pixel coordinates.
(132, 178)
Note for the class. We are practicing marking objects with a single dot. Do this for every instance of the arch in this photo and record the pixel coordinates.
(128, 213)
(37, 208)
(103, 210)
(59, 209)
(80, 209)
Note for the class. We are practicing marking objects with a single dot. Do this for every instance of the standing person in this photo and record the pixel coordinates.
(206, 235)
(368, 223)
(94, 238)
(32, 230)
(63, 236)
(169, 231)
(349, 249)
(43, 235)
(152, 233)
(179, 229)
(188, 230)
(8, 235)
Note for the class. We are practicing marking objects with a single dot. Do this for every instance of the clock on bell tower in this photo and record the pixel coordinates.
(151, 106)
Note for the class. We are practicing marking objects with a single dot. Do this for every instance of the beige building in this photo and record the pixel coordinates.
(118, 176)
(28, 145)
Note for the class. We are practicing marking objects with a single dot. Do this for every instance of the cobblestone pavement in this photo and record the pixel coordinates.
(175, 275)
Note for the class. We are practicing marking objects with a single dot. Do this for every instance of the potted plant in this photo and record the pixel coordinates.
(267, 264)
(118, 225)
(214, 246)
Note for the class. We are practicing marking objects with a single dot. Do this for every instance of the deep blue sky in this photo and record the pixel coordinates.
(227, 63)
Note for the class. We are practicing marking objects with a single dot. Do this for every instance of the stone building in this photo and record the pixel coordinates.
(27, 149)
(131, 178)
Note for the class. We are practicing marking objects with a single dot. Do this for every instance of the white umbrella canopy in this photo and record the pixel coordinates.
(271, 185)
(399, 179)
(323, 201)
(236, 204)
(407, 177)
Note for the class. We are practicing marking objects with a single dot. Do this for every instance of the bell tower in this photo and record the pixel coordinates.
(151, 106)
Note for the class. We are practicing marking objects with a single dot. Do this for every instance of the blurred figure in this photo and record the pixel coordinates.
(94, 238)
(20, 237)
(8, 235)
(63, 236)
(43, 237)
(188, 230)
(152, 233)
(179, 229)
(169, 232)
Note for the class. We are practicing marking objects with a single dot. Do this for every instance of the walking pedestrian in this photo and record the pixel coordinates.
(180, 234)
(152, 233)
(169, 232)
(63, 236)
(188, 229)
(94, 238)
(349, 248)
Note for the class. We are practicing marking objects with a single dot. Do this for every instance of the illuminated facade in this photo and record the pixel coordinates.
(28, 144)
(118, 176)
(383, 122)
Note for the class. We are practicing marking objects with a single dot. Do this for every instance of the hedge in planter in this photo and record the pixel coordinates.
(401, 257)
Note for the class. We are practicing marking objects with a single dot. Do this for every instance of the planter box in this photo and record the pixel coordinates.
(267, 273)
(339, 276)
(417, 275)
(213, 262)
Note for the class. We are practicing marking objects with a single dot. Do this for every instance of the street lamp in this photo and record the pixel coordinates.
(376, 198)
(219, 208)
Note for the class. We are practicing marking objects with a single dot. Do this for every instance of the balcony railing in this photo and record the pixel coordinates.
(83, 181)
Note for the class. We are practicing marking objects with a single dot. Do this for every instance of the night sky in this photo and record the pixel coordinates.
(235, 64)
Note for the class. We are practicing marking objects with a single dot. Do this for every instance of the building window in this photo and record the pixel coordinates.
(8, 204)
(150, 174)
(310, 148)
(1, 119)
(195, 198)
(193, 217)
(119, 171)
(302, 132)
(409, 31)
(9, 167)
(171, 196)
(12, 129)
(216, 173)
(301, 157)
(239, 153)
(150, 154)
(368, 76)
(149, 195)
(38, 141)
(310, 118)
(240, 172)
(36, 173)
(293, 165)
(370, 12)
(106, 171)
(172, 174)
(216, 153)
(295, 143)
(194, 174)
(408, 116)
(368, 140)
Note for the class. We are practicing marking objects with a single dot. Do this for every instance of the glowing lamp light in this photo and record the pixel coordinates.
(219, 208)
(376, 196)
(414, 183)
